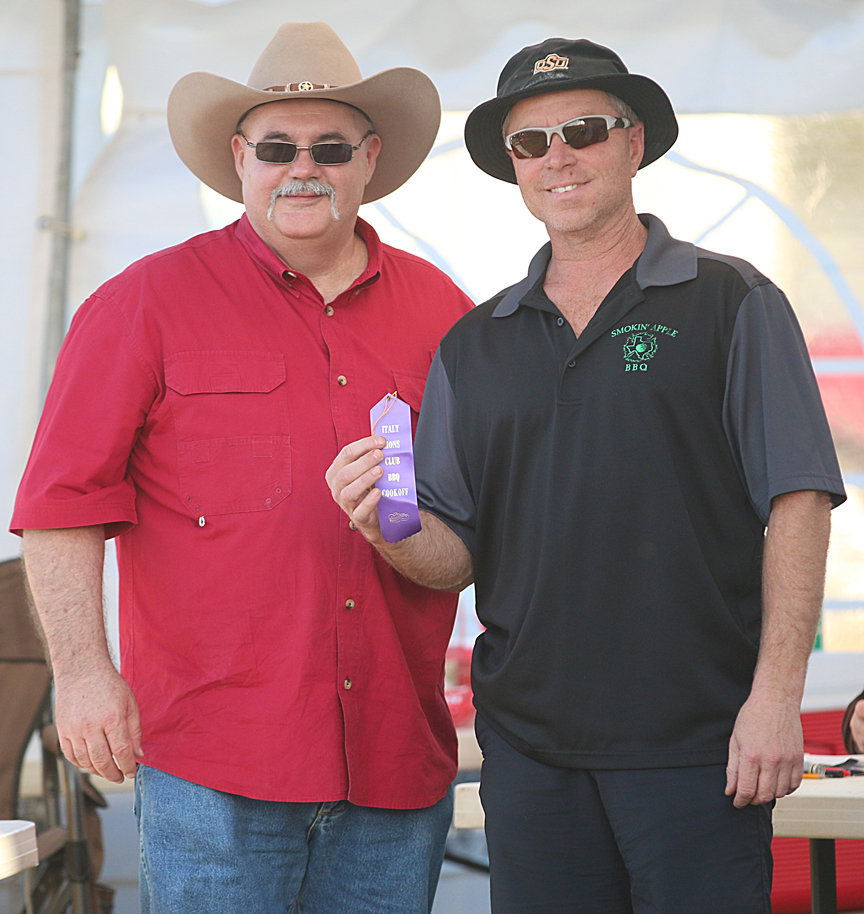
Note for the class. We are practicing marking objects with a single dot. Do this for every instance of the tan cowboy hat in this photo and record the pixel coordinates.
(304, 60)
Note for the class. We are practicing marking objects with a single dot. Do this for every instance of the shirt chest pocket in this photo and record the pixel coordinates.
(409, 388)
(230, 413)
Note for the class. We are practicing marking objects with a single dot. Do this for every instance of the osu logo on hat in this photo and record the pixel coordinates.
(551, 62)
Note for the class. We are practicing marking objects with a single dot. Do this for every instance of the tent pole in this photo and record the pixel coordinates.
(61, 223)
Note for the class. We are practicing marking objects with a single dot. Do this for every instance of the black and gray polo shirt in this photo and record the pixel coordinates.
(613, 490)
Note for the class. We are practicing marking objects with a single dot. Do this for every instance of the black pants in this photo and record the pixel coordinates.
(647, 841)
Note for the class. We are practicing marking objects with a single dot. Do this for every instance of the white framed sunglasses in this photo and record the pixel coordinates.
(579, 132)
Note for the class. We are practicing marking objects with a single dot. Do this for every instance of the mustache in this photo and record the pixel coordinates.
(298, 186)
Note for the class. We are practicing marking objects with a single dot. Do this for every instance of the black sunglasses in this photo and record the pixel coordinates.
(278, 152)
(534, 142)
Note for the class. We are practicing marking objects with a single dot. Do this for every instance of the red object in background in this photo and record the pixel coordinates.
(457, 684)
(791, 892)
(842, 393)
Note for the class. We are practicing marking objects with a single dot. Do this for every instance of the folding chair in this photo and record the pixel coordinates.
(69, 834)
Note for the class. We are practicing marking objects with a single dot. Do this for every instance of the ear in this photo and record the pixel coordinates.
(372, 149)
(238, 147)
(637, 147)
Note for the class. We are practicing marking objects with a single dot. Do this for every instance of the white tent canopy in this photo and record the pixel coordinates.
(132, 195)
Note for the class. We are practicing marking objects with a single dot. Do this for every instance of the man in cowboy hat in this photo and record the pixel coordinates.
(601, 448)
(281, 687)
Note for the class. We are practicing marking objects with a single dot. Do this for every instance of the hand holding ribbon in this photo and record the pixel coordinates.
(398, 515)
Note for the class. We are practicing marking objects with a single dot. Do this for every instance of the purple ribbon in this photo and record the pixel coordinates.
(398, 515)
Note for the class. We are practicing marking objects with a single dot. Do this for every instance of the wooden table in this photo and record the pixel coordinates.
(821, 810)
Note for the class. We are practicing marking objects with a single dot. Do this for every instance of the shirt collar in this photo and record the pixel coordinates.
(664, 261)
(375, 252)
(536, 271)
(271, 263)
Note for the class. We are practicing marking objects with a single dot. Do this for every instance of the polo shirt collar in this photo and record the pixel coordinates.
(664, 261)
(536, 272)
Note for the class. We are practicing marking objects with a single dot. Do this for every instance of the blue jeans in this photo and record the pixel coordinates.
(217, 853)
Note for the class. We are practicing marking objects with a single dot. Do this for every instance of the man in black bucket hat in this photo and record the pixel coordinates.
(541, 69)
(601, 448)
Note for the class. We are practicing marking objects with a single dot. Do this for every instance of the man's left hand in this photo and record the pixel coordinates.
(766, 751)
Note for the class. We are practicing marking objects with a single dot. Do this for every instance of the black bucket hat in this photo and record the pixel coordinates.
(556, 65)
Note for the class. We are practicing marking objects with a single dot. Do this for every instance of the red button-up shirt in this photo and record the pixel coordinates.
(197, 401)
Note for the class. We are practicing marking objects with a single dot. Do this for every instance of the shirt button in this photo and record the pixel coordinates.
(349, 604)
(560, 321)
(347, 683)
(352, 525)
(329, 311)
(572, 364)
(341, 380)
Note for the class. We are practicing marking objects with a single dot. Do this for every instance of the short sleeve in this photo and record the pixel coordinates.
(773, 413)
(442, 484)
(77, 473)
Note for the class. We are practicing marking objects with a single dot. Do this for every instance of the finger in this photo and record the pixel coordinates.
(77, 754)
(746, 783)
(122, 750)
(732, 771)
(789, 778)
(361, 465)
(354, 494)
(91, 758)
(351, 453)
(363, 445)
(766, 786)
(349, 485)
(790, 783)
(365, 513)
(102, 760)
